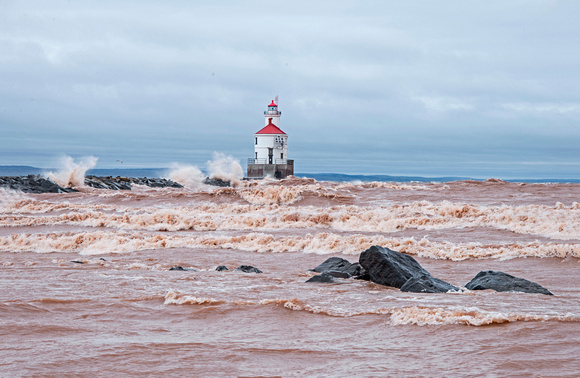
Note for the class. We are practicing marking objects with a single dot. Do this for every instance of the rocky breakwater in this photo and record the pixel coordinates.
(38, 184)
(33, 184)
(125, 183)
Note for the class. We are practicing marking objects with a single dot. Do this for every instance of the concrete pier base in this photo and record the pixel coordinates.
(279, 171)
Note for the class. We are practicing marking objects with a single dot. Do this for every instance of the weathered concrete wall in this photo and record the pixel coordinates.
(279, 171)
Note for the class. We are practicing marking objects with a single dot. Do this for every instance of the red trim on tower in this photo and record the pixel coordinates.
(273, 104)
(271, 129)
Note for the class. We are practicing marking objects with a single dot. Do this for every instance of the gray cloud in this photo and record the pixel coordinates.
(459, 88)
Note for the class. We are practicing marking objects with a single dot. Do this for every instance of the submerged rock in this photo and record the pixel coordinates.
(391, 268)
(500, 281)
(248, 269)
(427, 284)
(324, 278)
(337, 264)
(183, 269)
(338, 274)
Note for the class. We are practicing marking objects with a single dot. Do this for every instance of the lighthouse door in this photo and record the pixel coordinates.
(270, 155)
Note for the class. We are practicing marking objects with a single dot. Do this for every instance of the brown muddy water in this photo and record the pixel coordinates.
(118, 310)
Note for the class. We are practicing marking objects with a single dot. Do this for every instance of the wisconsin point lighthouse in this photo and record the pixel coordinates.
(270, 149)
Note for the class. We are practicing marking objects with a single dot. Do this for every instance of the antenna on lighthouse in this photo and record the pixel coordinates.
(276, 100)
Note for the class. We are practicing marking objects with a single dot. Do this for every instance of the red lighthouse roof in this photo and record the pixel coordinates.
(273, 104)
(271, 129)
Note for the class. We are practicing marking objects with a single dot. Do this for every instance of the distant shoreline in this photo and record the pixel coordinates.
(22, 170)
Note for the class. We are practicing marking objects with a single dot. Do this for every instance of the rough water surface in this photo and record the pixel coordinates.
(87, 290)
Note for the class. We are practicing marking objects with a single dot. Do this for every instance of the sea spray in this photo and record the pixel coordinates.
(222, 167)
(225, 168)
(72, 173)
(187, 175)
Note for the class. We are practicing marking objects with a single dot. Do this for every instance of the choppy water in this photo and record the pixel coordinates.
(123, 312)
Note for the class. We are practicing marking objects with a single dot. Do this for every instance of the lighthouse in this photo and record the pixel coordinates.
(270, 149)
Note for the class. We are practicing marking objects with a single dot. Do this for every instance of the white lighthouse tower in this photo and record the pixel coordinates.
(270, 149)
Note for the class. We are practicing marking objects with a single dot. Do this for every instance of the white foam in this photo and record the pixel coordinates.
(557, 222)
(100, 242)
(423, 316)
(176, 298)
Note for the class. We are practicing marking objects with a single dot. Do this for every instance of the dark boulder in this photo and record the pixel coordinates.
(427, 284)
(391, 268)
(500, 281)
(183, 269)
(248, 269)
(388, 267)
(338, 274)
(324, 278)
(337, 264)
(221, 268)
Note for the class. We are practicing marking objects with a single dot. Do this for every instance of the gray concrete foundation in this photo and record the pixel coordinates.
(279, 171)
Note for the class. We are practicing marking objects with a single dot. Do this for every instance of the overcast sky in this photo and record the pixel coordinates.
(472, 88)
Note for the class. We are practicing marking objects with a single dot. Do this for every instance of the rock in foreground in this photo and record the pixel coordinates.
(427, 284)
(248, 269)
(183, 269)
(324, 278)
(337, 264)
(500, 281)
(391, 268)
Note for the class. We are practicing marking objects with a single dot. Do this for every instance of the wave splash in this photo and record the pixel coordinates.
(222, 167)
(186, 175)
(226, 168)
(72, 174)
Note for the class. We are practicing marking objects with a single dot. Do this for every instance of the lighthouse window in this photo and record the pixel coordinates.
(281, 155)
(256, 140)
